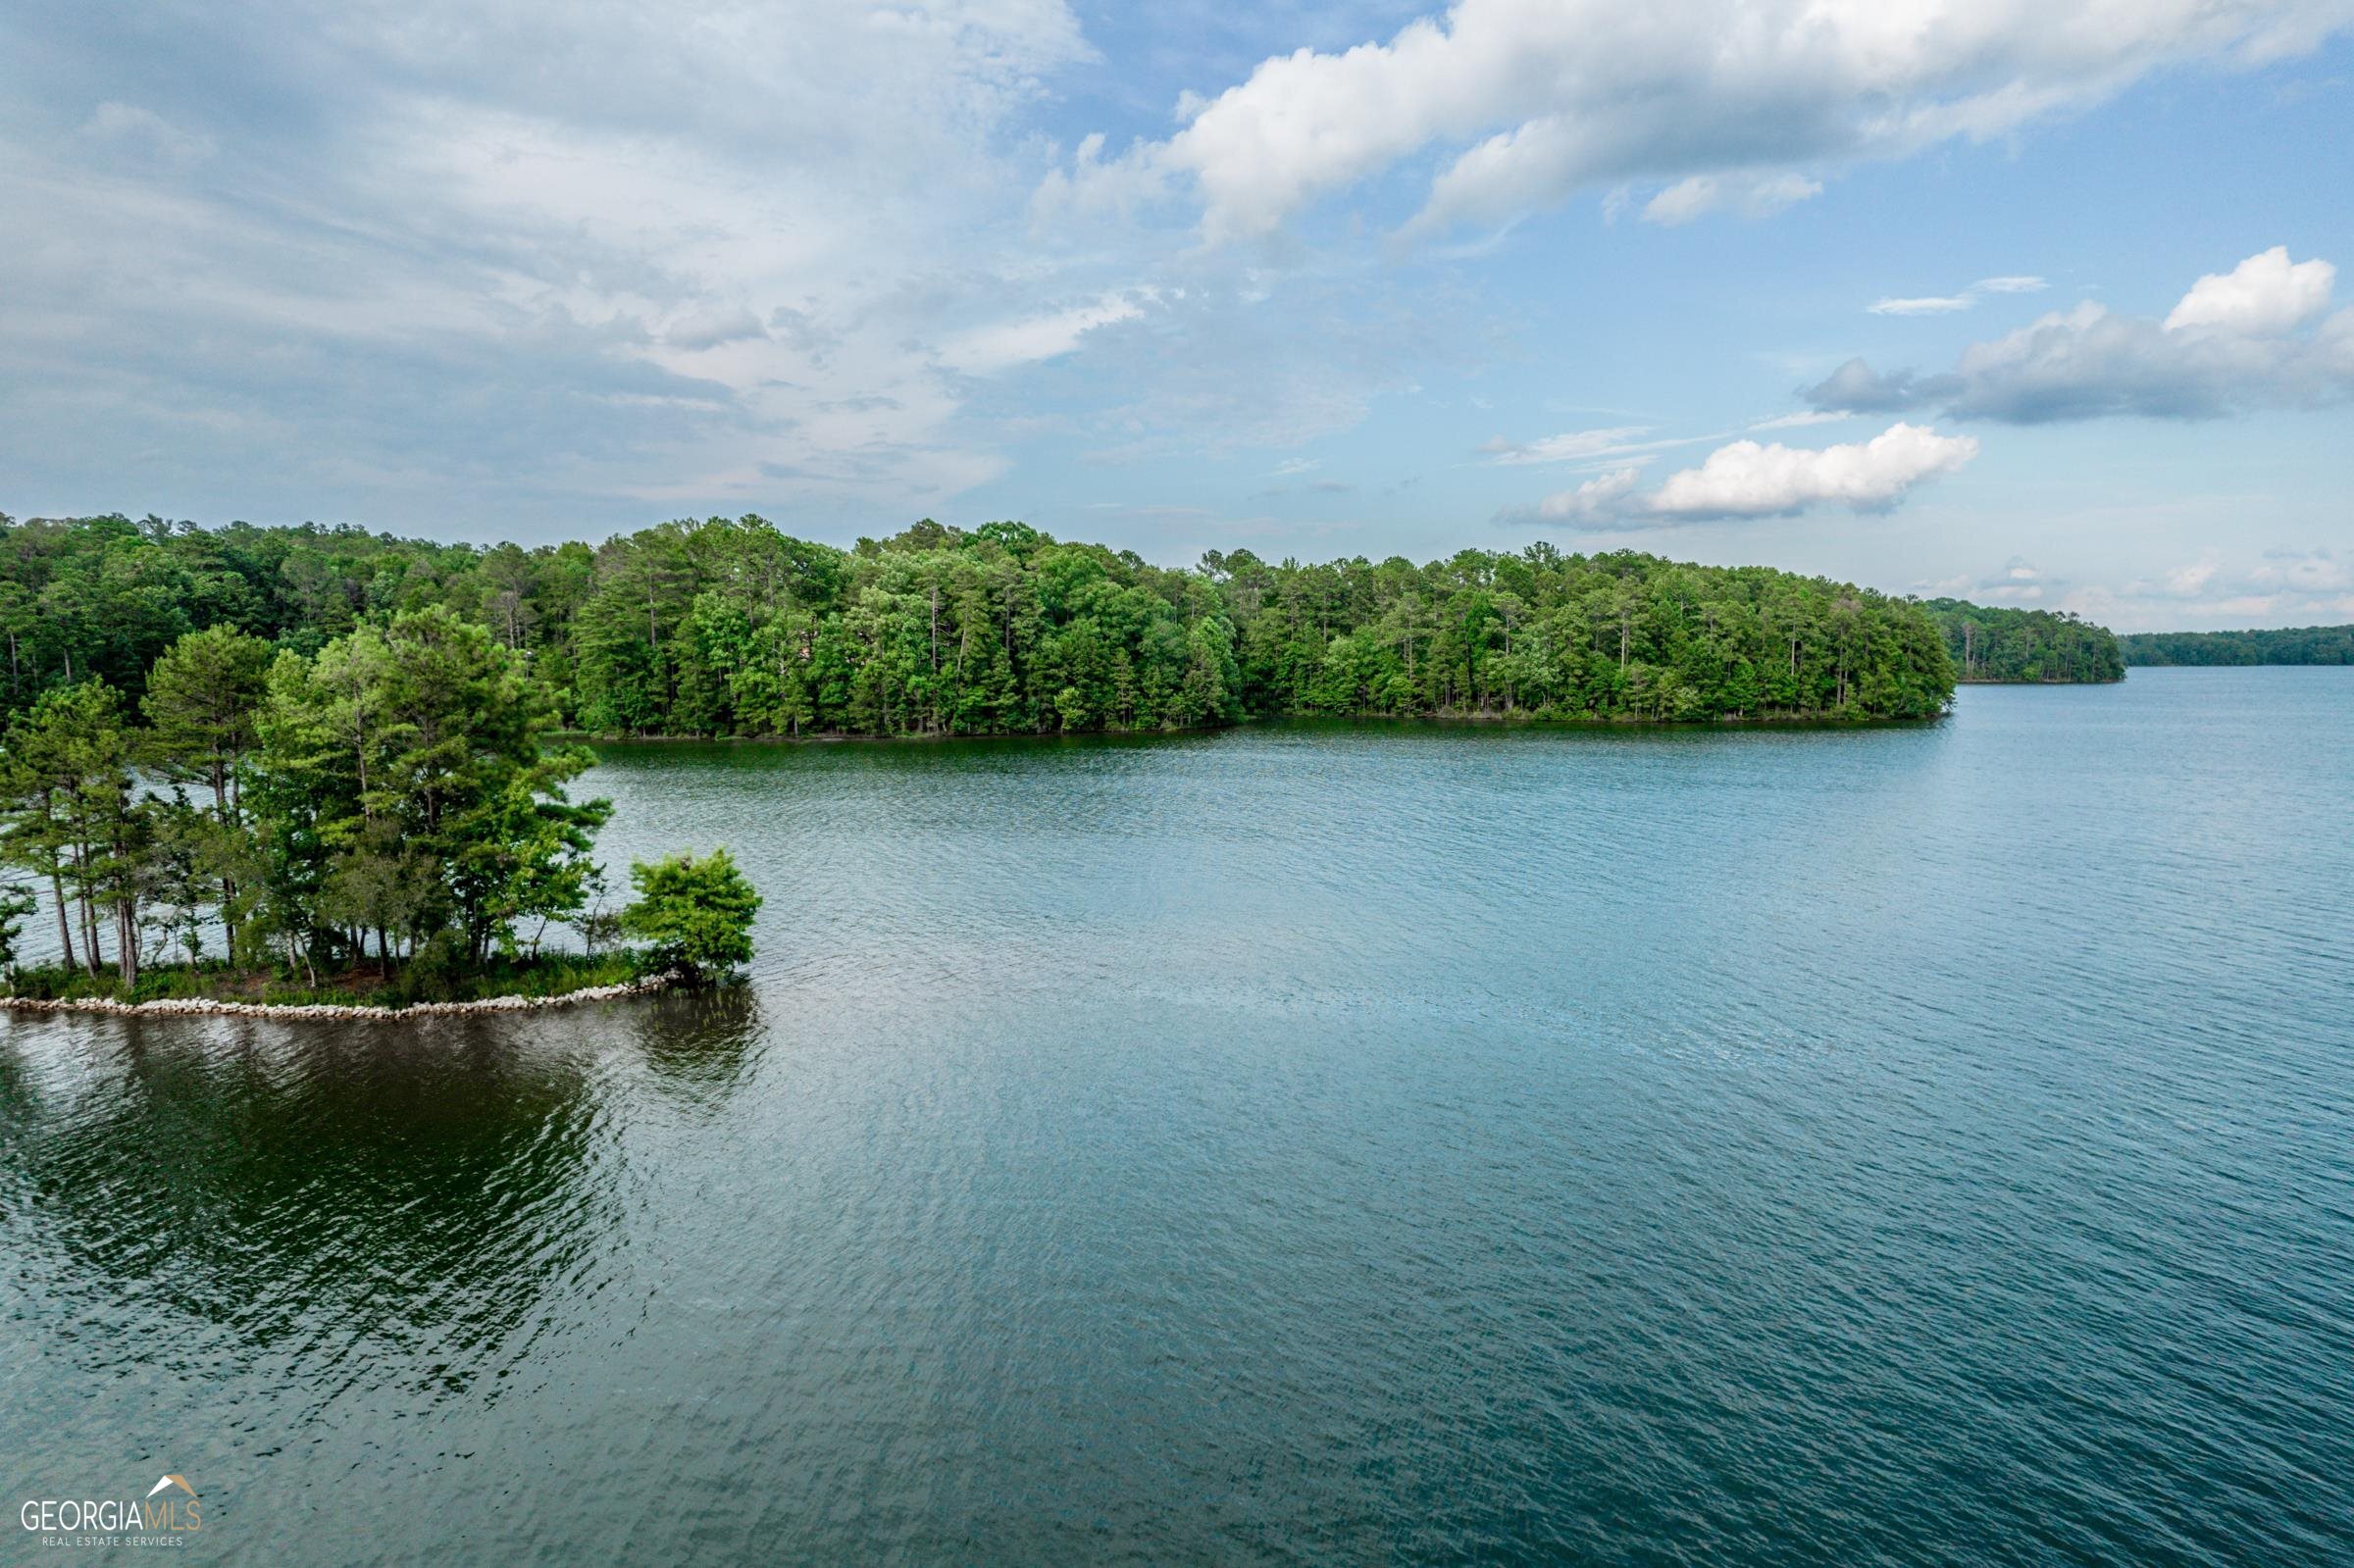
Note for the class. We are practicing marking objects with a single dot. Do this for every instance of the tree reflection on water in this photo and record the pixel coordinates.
(415, 1204)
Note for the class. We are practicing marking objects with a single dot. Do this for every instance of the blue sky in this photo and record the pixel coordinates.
(1317, 281)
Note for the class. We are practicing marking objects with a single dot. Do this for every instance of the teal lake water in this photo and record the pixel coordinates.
(1307, 1144)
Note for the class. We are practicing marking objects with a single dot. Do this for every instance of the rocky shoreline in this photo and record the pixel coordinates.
(206, 1007)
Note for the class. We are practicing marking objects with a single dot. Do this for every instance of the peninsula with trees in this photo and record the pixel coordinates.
(728, 627)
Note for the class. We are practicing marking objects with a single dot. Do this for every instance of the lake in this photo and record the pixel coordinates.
(1306, 1144)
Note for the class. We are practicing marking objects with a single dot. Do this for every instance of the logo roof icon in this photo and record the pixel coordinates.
(181, 1482)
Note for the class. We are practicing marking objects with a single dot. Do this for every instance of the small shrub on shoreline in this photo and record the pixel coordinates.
(696, 913)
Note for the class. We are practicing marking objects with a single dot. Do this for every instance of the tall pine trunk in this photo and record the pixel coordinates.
(126, 942)
(89, 911)
(65, 932)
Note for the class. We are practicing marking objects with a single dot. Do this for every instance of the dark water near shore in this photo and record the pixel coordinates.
(1302, 1144)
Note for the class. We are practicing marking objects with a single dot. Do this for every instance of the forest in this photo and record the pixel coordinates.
(2305, 644)
(2031, 647)
(730, 627)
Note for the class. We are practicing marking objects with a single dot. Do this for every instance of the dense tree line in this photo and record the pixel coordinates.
(1571, 637)
(1986, 643)
(733, 627)
(389, 799)
(2305, 644)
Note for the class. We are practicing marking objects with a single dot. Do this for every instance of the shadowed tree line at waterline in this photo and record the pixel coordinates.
(387, 808)
(2031, 647)
(2304, 644)
(734, 627)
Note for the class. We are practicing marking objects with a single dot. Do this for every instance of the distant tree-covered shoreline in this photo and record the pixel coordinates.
(2305, 644)
(734, 627)
(2026, 647)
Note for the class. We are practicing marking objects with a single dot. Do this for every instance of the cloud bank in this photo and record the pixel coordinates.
(1728, 103)
(437, 265)
(2238, 340)
(2286, 587)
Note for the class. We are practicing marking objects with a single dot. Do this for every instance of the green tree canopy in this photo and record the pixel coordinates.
(203, 701)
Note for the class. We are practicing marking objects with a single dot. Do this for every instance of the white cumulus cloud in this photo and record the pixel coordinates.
(2266, 294)
(1747, 478)
(1753, 479)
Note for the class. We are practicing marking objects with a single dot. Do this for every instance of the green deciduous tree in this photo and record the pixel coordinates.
(696, 913)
